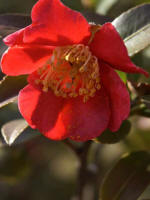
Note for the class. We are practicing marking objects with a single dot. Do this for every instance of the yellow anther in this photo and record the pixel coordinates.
(92, 94)
(45, 89)
(85, 99)
(72, 71)
(37, 81)
(81, 91)
(98, 86)
(67, 57)
(90, 84)
(71, 94)
(93, 90)
(64, 95)
(97, 79)
(94, 75)
(82, 69)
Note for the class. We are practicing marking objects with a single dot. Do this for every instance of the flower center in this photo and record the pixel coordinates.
(72, 71)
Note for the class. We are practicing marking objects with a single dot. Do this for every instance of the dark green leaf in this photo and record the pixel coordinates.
(27, 135)
(143, 89)
(14, 166)
(132, 20)
(138, 41)
(17, 131)
(140, 109)
(11, 130)
(145, 112)
(12, 22)
(7, 101)
(128, 179)
(146, 100)
(136, 186)
(108, 137)
(10, 87)
(134, 28)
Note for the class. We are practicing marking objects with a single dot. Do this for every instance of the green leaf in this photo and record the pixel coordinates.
(141, 109)
(7, 101)
(27, 135)
(145, 112)
(138, 41)
(128, 179)
(146, 100)
(108, 137)
(10, 87)
(18, 131)
(134, 28)
(11, 130)
(12, 22)
(15, 165)
(143, 89)
(132, 20)
(122, 75)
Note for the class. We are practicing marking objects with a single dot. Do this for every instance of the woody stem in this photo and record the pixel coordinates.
(83, 173)
(82, 155)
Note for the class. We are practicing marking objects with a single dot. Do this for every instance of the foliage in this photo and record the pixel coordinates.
(35, 160)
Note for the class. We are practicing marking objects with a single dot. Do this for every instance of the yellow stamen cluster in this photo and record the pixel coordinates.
(72, 71)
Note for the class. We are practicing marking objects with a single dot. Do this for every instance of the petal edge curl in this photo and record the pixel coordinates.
(112, 50)
(55, 24)
(18, 60)
(42, 111)
(118, 96)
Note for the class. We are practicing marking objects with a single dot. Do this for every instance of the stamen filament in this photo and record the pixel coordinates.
(72, 71)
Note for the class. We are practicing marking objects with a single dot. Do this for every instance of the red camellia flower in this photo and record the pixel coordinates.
(73, 91)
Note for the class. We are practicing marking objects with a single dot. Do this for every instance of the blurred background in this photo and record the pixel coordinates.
(40, 169)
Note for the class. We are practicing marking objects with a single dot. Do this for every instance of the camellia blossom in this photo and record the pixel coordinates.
(73, 91)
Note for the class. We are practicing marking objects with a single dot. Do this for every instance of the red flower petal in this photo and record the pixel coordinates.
(42, 111)
(58, 118)
(118, 95)
(19, 60)
(55, 24)
(14, 38)
(83, 121)
(108, 46)
(87, 120)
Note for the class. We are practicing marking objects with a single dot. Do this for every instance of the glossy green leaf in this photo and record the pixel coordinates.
(18, 131)
(7, 101)
(128, 179)
(27, 135)
(140, 15)
(10, 87)
(11, 130)
(12, 22)
(138, 41)
(108, 137)
(134, 28)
